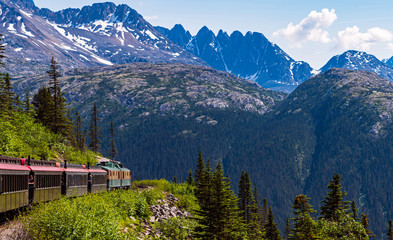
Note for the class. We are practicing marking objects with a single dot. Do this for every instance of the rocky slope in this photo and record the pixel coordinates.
(97, 35)
(338, 121)
(251, 56)
(165, 89)
(355, 60)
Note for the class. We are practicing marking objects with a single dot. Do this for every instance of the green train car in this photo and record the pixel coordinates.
(117, 176)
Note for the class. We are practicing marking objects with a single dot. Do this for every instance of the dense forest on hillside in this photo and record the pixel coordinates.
(203, 207)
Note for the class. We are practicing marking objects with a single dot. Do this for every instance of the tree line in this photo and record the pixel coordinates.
(224, 215)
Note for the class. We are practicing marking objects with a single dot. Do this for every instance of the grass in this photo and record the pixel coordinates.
(109, 215)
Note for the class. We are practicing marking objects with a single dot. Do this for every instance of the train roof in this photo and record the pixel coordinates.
(15, 164)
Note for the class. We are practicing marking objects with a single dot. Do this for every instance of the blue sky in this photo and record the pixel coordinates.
(308, 30)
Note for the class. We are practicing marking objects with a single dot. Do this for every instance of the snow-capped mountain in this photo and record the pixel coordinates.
(355, 60)
(250, 56)
(388, 61)
(101, 34)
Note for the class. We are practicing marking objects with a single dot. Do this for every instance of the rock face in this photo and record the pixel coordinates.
(355, 60)
(167, 209)
(340, 121)
(251, 56)
(97, 35)
(163, 211)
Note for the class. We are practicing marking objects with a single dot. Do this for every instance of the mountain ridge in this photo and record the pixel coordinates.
(251, 56)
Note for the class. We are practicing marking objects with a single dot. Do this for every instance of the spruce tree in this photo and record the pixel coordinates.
(200, 171)
(60, 123)
(287, 229)
(333, 203)
(390, 230)
(43, 103)
(264, 213)
(271, 230)
(354, 211)
(241, 194)
(364, 220)
(190, 179)
(203, 178)
(304, 226)
(94, 131)
(228, 224)
(79, 136)
(113, 151)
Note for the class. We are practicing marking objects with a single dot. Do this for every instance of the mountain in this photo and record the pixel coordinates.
(389, 61)
(165, 113)
(97, 35)
(251, 56)
(355, 60)
(338, 121)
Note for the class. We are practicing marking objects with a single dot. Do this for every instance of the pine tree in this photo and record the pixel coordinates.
(200, 171)
(190, 179)
(113, 151)
(94, 131)
(271, 230)
(43, 103)
(287, 229)
(241, 194)
(364, 221)
(79, 138)
(333, 203)
(228, 224)
(304, 226)
(203, 178)
(354, 211)
(390, 230)
(264, 213)
(60, 123)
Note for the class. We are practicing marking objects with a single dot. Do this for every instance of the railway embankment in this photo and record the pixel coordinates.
(162, 210)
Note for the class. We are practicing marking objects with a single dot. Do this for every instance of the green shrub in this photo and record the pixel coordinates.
(176, 228)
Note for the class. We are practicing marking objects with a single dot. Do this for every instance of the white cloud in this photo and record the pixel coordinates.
(390, 46)
(150, 18)
(352, 38)
(311, 28)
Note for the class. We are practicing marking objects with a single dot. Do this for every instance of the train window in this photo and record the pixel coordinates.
(77, 180)
(13, 183)
(47, 181)
(99, 179)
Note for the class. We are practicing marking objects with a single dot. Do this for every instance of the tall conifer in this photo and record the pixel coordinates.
(364, 220)
(333, 203)
(60, 123)
(271, 230)
(287, 229)
(79, 136)
(304, 226)
(94, 131)
(113, 151)
(43, 103)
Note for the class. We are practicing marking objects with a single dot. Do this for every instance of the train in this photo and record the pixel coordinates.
(24, 182)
